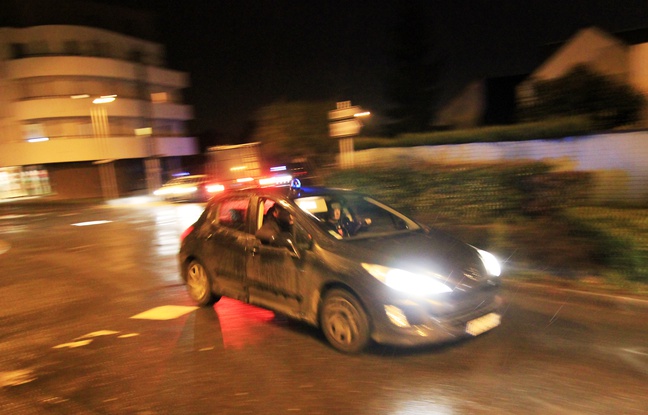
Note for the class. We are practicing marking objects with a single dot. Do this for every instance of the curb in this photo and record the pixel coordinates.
(591, 297)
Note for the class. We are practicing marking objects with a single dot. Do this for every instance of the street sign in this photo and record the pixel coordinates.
(345, 128)
(344, 113)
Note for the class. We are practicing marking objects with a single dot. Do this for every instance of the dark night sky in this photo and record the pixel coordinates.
(242, 55)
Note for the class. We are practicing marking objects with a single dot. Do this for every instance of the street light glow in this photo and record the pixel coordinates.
(37, 139)
(104, 99)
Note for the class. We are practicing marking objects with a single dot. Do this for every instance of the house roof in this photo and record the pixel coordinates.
(634, 36)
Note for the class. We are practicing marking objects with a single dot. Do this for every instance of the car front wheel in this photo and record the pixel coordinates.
(199, 285)
(344, 322)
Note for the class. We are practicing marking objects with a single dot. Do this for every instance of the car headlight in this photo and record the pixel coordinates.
(491, 263)
(406, 281)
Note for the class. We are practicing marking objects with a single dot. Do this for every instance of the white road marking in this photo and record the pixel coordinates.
(166, 312)
(73, 345)
(92, 223)
(15, 378)
(97, 334)
(635, 351)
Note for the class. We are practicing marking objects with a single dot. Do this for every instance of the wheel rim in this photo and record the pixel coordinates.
(342, 321)
(197, 282)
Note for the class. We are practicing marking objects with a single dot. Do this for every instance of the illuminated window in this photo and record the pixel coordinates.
(159, 97)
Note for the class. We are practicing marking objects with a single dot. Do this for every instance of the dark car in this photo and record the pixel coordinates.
(374, 274)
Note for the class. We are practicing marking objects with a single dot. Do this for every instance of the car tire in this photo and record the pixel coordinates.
(344, 321)
(199, 285)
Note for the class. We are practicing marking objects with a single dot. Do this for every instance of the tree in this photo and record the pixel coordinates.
(411, 84)
(290, 130)
(582, 91)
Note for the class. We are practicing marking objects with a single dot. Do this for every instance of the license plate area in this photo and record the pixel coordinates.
(482, 324)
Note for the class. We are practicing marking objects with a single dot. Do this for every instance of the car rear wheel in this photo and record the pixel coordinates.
(199, 285)
(344, 322)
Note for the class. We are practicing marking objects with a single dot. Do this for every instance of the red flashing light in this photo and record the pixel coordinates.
(186, 232)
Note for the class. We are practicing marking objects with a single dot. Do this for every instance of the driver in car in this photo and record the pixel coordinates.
(343, 225)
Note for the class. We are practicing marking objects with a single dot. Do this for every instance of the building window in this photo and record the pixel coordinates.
(136, 55)
(20, 182)
(71, 47)
(39, 48)
(34, 132)
(18, 50)
(159, 97)
(99, 48)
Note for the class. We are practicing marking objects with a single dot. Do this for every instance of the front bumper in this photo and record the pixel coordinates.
(431, 321)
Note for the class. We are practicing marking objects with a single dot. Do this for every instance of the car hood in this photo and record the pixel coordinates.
(422, 252)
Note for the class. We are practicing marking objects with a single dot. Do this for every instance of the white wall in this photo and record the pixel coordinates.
(619, 161)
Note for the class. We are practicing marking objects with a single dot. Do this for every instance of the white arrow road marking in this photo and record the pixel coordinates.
(86, 339)
(167, 312)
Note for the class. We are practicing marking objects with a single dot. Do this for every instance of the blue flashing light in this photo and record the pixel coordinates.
(295, 184)
(181, 174)
(278, 168)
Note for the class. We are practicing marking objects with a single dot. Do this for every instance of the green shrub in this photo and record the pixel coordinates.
(621, 237)
(475, 194)
(555, 128)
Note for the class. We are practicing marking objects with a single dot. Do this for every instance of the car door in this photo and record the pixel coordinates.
(273, 272)
(225, 243)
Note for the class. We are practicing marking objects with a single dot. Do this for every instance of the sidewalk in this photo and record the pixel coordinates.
(594, 295)
(53, 200)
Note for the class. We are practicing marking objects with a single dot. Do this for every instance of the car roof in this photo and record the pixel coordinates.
(285, 192)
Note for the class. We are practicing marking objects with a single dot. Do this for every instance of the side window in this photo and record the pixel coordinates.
(264, 208)
(233, 212)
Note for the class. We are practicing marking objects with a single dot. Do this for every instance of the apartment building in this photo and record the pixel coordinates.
(87, 111)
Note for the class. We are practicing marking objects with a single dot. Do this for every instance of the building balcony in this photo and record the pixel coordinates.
(95, 67)
(96, 149)
(51, 108)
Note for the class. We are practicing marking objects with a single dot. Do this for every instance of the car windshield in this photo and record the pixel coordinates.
(184, 180)
(354, 216)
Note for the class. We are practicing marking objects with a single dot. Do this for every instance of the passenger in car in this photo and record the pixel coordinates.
(278, 221)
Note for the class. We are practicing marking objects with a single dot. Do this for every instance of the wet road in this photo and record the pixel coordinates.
(94, 321)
